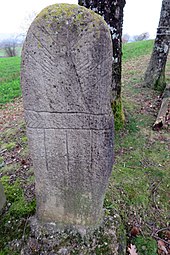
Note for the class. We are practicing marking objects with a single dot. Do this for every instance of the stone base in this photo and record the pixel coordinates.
(51, 228)
(48, 238)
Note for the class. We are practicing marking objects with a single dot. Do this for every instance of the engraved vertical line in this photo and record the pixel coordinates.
(79, 82)
(45, 150)
(91, 149)
(67, 151)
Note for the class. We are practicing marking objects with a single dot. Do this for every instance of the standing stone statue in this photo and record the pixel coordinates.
(66, 80)
(2, 197)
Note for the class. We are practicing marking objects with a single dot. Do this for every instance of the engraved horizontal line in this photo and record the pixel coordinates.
(84, 129)
(68, 120)
(85, 113)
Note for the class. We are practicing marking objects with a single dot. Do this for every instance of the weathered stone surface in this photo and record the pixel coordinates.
(109, 239)
(2, 197)
(66, 79)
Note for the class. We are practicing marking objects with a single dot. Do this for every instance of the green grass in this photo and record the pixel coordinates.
(137, 49)
(9, 79)
(147, 246)
(10, 69)
(139, 186)
(9, 90)
(13, 221)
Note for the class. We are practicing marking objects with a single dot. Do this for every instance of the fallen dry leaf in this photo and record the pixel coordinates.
(167, 233)
(132, 250)
(161, 247)
(135, 231)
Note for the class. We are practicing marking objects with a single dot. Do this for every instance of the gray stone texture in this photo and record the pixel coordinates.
(2, 197)
(66, 77)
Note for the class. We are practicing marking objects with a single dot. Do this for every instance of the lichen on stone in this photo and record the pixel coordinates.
(74, 14)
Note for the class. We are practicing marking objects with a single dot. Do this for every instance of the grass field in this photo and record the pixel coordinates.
(10, 69)
(136, 49)
(139, 186)
(9, 79)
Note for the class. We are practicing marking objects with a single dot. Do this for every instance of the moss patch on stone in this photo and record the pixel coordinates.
(70, 14)
(57, 10)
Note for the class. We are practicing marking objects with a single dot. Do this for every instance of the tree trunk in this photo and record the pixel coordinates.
(163, 118)
(112, 11)
(155, 74)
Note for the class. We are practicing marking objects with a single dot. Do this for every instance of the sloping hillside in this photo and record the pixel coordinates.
(138, 189)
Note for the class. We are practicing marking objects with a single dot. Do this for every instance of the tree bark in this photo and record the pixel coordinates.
(155, 73)
(112, 12)
(163, 118)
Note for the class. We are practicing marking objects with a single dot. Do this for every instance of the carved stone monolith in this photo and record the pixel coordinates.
(66, 77)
